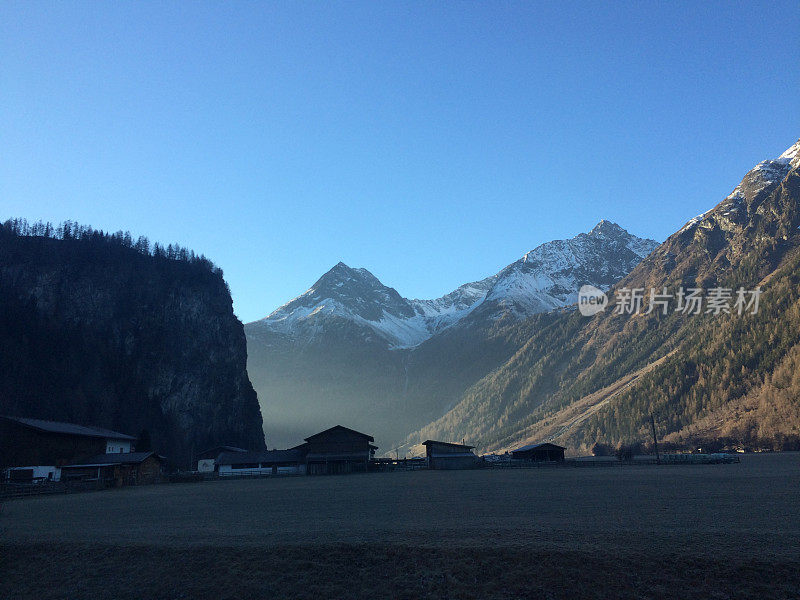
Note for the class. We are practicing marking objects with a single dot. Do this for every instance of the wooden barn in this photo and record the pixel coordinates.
(35, 442)
(269, 462)
(338, 450)
(545, 452)
(128, 468)
(446, 455)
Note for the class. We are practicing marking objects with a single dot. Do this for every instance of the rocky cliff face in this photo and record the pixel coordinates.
(96, 332)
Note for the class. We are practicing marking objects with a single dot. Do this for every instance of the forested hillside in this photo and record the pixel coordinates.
(710, 379)
(100, 329)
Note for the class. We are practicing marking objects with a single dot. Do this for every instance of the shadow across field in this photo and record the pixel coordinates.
(711, 531)
(379, 572)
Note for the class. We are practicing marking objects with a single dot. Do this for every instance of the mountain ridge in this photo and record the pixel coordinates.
(545, 278)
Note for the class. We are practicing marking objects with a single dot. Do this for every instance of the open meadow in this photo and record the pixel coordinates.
(704, 531)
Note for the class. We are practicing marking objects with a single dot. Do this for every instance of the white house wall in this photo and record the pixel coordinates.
(117, 446)
(40, 472)
(206, 465)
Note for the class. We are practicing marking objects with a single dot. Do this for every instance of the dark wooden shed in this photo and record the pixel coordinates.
(128, 468)
(447, 455)
(337, 450)
(545, 452)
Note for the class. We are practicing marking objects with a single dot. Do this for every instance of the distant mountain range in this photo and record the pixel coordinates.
(546, 278)
(507, 360)
(297, 354)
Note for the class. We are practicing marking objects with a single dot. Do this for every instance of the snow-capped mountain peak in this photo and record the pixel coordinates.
(607, 228)
(792, 154)
(342, 281)
(762, 178)
(354, 294)
(546, 278)
(550, 275)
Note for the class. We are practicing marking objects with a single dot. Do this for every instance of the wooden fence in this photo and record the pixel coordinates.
(666, 459)
(41, 488)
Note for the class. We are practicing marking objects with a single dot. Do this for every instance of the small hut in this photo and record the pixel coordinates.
(545, 452)
(447, 455)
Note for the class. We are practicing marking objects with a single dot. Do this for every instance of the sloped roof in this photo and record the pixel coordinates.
(117, 458)
(452, 455)
(224, 449)
(532, 446)
(450, 444)
(339, 428)
(70, 429)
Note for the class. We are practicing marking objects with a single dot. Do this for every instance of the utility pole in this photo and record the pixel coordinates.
(655, 439)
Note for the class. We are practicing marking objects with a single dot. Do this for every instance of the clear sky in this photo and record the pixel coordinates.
(431, 142)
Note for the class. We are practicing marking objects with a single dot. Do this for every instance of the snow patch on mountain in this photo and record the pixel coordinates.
(764, 175)
(792, 155)
(549, 276)
(451, 308)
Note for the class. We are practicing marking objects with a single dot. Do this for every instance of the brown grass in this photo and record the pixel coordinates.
(716, 531)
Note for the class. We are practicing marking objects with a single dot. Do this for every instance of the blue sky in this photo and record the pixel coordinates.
(432, 143)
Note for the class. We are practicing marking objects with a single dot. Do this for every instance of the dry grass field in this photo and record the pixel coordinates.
(704, 532)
